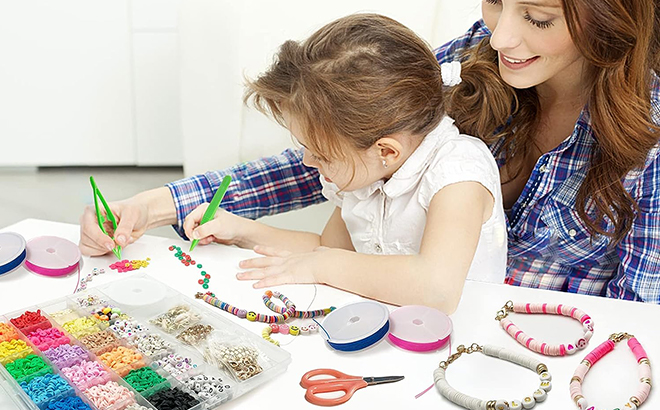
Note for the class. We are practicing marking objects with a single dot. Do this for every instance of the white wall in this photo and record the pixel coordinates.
(222, 40)
(159, 82)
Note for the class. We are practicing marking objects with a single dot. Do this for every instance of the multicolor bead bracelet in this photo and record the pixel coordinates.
(644, 371)
(283, 316)
(286, 329)
(472, 403)
(551, 309)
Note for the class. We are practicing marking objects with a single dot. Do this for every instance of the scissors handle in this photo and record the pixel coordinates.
(337, 382)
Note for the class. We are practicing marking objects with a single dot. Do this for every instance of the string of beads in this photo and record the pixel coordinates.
(643, 366)
(550, 309)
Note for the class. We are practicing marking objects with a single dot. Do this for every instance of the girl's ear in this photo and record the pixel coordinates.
(389, 150)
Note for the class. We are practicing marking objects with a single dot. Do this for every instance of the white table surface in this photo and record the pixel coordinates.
(608, 385)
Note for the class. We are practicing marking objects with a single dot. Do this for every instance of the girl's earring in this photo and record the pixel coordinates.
(385, 164)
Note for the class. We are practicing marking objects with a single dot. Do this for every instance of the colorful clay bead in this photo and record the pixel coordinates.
(242, 313)
(284, 329)
(275, 328)
(294, 330)
(251, 316)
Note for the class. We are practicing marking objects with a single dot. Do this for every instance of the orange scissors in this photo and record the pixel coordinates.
(337, 381)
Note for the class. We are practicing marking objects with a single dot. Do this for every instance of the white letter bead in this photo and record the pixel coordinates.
(304, 330)
(515, 405)
(545, 377)
(571, 349)
(528, 402)
(540, 395)
(546, 385)
(588, 334)
(629, 406)
(501, 405)
(582, 403)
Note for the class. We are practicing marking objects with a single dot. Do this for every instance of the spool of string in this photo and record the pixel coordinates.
(12, 251)
(356, 326)
(52, 256)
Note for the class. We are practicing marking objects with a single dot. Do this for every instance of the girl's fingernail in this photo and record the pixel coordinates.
(109, 247)
(195, 235)
(121, 240)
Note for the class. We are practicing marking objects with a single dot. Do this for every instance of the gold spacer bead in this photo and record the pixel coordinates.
(634, 400)
(576, 379)
(645, 361)
(586, 363)
(646, 380)
(577, 398)
(541, 368)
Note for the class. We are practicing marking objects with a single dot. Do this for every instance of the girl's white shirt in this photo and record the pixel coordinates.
(389, 217)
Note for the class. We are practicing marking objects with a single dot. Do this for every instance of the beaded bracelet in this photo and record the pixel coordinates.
(644, 371)
(551, 309)
(472, 403)
(285, 329)
(284, 313)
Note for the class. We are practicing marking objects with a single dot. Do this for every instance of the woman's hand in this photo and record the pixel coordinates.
(280, 267)
(224, 228)
(131, 217)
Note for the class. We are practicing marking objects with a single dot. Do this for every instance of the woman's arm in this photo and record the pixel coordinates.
(434, 277)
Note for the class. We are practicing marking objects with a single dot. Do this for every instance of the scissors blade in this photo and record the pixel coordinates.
(371, 381)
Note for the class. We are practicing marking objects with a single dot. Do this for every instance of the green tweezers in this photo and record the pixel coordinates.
(108, 212)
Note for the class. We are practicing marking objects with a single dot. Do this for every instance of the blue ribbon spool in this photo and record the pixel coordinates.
(356, 326)
(12, 251)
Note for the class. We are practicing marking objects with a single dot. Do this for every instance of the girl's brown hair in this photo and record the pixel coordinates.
(619, 40)
(354, 81)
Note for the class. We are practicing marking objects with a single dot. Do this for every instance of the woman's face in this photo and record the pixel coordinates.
(532, 42)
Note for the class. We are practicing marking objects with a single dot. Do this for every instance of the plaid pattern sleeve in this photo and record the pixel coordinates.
(263, 187)
(454, 49)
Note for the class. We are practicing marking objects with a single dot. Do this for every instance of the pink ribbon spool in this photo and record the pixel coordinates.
(52, 256)
(419, 328)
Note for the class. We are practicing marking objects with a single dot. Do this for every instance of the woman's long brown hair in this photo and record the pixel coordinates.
(620, 41)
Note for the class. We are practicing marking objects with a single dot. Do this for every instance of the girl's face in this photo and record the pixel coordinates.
(532, 42)
(357, 170)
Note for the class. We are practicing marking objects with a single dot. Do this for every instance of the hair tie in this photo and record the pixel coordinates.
(451, 73)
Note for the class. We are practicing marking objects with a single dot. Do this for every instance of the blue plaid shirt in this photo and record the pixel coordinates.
(549, 246)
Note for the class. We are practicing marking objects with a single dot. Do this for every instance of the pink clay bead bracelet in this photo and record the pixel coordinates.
(644, 371)
(548, 309)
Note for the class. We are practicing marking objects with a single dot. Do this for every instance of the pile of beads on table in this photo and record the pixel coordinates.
(69, 403)
(146, 381)
(86, 374)
(14, 349)
(48, 338)
(207, 387)
(81, 327)
(45, 388)
(127, 328)
(109, 394)
(7, 333)
(177, 318)
(187, 260)
(27, 368)
(100, 342)
(30, 321)
(175, 399)
(152, 345)
(175, 364)
(66, 355)
(122, 360)
(127, 266)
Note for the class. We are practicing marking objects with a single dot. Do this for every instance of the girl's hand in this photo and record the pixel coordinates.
(132, 220)
(281, 267)
(224, 228)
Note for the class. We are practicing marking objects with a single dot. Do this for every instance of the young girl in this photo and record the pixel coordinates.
(419, 205)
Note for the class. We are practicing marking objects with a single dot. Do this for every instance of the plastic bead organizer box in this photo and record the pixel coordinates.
(158, 351)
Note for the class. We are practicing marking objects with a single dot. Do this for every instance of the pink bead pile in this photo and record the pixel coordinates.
(109, 394)
(127, 266)
(50, 338)
(86, 374)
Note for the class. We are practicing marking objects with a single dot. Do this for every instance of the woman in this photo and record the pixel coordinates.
(574, 134)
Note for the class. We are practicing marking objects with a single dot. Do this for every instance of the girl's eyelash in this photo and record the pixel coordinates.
(538, 23)
(492, 1)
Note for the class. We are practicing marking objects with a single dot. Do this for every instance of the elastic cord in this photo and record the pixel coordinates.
(13, 264)
(417, 347)
(362, 343)
(50, 272)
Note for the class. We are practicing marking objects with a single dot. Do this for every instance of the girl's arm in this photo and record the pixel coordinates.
(335, 234)
(434, 277)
